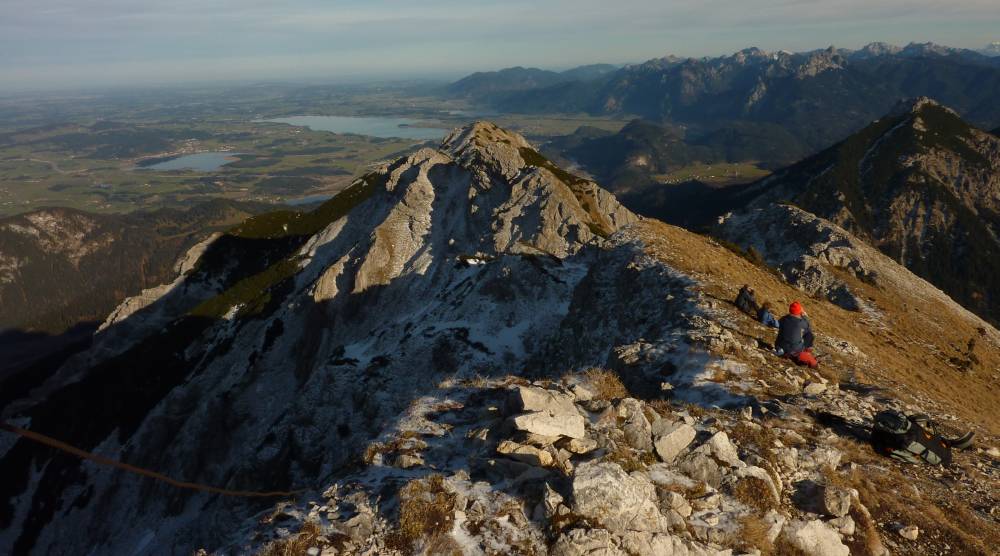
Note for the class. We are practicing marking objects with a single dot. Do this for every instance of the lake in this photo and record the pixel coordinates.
(366, 125)
(204, 162)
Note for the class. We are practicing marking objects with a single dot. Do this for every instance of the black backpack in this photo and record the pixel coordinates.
(908, 439)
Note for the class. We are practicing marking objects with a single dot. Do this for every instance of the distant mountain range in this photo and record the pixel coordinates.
(921, 185)
(992, 49)
(495, 84)
(819, 97)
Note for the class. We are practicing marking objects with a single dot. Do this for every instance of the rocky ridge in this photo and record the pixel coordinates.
(472, 351)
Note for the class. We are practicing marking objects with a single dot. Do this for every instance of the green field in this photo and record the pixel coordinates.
(81, 150)
(280, 163)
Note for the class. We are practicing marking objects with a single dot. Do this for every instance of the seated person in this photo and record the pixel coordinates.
(795, 337)
(766, 317)
(746, 301)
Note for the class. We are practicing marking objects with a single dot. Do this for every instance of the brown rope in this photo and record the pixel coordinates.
(62, 446)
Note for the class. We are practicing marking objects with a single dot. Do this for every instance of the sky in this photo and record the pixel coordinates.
(85, 43)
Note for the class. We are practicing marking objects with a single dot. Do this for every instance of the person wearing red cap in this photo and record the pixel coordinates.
(795, 337)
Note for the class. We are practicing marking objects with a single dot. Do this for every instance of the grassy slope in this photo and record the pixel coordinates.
(908, 357)
(912, 347)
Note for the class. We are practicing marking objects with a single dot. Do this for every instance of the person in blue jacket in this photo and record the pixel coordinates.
(766, 317)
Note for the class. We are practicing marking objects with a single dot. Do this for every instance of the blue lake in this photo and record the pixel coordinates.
(366, 125)
(200, 161)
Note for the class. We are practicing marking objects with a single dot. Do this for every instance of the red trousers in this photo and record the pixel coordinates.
(805, 358)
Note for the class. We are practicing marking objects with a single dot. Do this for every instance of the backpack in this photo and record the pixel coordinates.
(905, 439)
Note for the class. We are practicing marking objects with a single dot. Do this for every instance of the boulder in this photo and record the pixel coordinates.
(525, 453)
(406, 461)
(836, 501)
(531, 398)
(640, 544)
(606, 495)
(638, 430)
(547, 424)
(775, 522)
(714, 527)
(552, 502)
(582, 392)
(910, 532)
(819, 458)
(814, 388)
(845, 525)
(675, 501)
(723, 449)
(703, 468)
(815, 538)
(672, 438)
(579, 445)
(585, 542)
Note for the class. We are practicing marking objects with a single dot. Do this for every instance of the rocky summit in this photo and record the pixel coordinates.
(473, 351)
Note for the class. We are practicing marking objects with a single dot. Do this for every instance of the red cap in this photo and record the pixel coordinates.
(795, 308)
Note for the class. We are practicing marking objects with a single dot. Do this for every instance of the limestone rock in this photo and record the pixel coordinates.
(605, 494)
(776, 523)
(845, 525)
(815, 538)
(701, 467)
(579, 445)
(406, 461)
(836, 501)
(638, 430)
(547, 424)
(672, 439)
(910, 532)
(552, 502)
(722, 449)
(585, 542)
(814, 388)
(525, 453)
(531, 398)
(637, 543)
(676, 502)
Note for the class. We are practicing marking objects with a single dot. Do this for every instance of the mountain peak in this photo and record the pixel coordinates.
(919, 106)
(880, 49)
(913, 105)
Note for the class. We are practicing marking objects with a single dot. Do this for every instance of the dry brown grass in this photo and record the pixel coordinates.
(750, 435)
(891, 496)
(913, 346)
(408, 442)
(606, 384)
(631, 460)
(660, 406)
(295, 545)
(784, 547)
(720, 376)
(755, 493)
(426, 512)
(866, 541)
(754, 534)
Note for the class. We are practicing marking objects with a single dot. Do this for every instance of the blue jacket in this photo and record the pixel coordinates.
(794, 334)
(767, 319)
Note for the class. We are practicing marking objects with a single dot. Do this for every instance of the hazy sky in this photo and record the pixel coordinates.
(59, 43)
